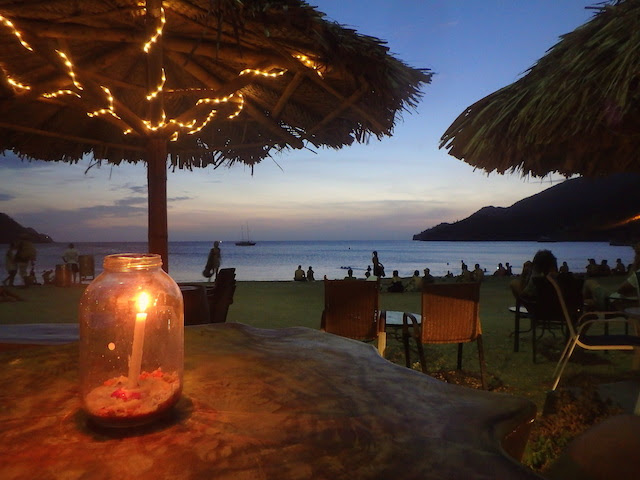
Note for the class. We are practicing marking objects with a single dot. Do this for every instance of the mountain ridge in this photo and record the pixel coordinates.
(10, 231)
(578, 209)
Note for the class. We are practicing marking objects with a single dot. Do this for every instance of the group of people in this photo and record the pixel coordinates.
(20, 259)
(475, 275)
(503, 270)
(603, 269)
(300, 276)
(545, 263)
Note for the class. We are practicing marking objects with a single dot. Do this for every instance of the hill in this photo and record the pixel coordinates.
(578, 209)
(10, 230)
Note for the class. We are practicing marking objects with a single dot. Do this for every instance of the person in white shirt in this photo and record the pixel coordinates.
(71, 258)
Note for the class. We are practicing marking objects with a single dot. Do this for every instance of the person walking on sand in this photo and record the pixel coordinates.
(10, 265)
(25, 259)
(71, 258)
(213, 262)
(378, 268)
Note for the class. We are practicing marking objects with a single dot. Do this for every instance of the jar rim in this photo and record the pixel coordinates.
(132, 261)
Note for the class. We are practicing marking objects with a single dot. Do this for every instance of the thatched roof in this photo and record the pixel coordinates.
(323, 84)
(577, 110)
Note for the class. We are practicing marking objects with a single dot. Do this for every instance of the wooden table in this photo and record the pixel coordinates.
(282, 404)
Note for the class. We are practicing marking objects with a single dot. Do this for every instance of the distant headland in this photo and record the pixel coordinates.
(579, 209)
(10, 230)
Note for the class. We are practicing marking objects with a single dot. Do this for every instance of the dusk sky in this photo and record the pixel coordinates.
(385, 190)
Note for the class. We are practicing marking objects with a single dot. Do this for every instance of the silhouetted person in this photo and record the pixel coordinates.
(427, 277)
(478, 273)
(299, 275)
(71, 257)
(396, 283)
(213, 261)
(378, 268)
(10, 264)
(25, 259)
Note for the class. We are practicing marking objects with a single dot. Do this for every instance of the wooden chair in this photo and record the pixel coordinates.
(209, 303)
(579, 334)
(220, 296)
(351, 309)
(450, 314)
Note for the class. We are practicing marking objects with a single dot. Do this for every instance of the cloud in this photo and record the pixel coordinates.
(124, 221)
(132, 201)
(5, 197)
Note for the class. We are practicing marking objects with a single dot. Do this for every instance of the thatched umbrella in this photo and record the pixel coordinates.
(197, 82)
(576, 111)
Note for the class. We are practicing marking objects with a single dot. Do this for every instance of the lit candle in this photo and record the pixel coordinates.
(135, 362)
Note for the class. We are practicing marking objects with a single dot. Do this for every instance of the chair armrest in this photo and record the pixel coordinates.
(382, 321)
(406, 316)
(590, 318)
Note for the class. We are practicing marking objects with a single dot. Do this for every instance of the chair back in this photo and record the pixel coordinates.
(567, 299)
(546, 308)
(351, 309)
(220, 295)
(450, 312)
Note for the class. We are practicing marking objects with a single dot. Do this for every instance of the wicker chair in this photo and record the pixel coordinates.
(450, 314)
(351, 309)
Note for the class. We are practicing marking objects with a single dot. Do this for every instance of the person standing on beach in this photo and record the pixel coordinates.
(213, 261)
(25, 258)
(378, 268)
(10, 265)
(71, 258)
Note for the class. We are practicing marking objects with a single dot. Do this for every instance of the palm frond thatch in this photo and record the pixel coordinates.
(217, 82)
(576, 111)
(204, 47)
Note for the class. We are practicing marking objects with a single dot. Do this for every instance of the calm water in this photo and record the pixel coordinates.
(278, 260)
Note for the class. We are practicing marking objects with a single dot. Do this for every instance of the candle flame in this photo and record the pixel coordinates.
(143, 302)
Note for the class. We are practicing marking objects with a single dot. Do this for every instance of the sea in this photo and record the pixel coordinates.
(277, 260)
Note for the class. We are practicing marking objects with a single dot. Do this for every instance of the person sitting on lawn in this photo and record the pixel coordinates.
(427, 277)
(396, 283)
(299, 275)
(415, 284)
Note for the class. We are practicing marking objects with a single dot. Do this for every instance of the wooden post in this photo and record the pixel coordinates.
(156, 146)
(157, 187)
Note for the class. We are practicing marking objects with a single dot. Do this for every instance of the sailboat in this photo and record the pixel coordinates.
(245, 242)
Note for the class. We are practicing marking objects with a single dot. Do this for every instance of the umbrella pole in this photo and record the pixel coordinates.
(157, 188)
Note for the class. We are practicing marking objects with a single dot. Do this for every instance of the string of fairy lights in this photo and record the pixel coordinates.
(172, 126)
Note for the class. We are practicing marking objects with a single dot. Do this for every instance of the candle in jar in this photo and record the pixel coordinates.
(135, 362)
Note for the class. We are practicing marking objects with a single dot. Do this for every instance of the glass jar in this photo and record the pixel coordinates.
(131, 342)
